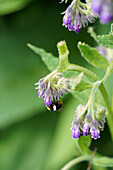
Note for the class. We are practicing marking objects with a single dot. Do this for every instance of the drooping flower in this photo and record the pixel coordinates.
(76, 130)
(104, 9)
(52, 86)
(94, 130)
(77, 15)
(77, 122)
(86, 123)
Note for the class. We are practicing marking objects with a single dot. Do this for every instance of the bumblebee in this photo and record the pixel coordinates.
(55, 106)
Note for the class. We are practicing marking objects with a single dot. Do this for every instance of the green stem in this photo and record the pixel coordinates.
(76, 161)
(110, 113)
(74, 67)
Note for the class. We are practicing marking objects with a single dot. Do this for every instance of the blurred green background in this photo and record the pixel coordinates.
(32, 138)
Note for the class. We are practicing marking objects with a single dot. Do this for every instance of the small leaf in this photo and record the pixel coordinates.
(83, 85)
(103, 161)
(106, 40)
(77, 80)
(84, 143)
(92, 56)
(50, 61)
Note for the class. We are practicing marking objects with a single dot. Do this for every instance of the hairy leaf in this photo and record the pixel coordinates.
(50, 61)
(106, 40)
(84, 143)
(83, 85)
(92, 56)
(103, 161)
(77, 80)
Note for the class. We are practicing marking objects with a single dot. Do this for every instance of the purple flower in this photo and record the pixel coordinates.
(66, 19)
(95, 132)
(51, 88)
(41, 93)
(70, 27)
(78, 28)
(77, 16)
(84, 20)
(86, 129)
(47, 100)
(104, 8)
(96, 6)
(75, 132)
(106, 13)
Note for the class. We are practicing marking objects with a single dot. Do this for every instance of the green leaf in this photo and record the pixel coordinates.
(98, 168)
(103, 161)
(92, 56)
(25, 145)
(83, 85)
(76, 80)
(50, 61)
(84, 143)
(19, 70)
(9, 6)
(106, 40)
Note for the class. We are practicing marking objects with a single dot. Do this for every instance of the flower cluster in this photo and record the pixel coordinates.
(52, 86)
(103, 8)
(77, 15)
(84, 123)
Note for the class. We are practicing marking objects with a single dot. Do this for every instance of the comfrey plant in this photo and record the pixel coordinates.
(91, 115)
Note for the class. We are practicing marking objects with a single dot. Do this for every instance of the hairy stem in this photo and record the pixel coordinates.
(89, 73)
(76, 161)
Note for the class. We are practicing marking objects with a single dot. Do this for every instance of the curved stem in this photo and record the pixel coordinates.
(74, 67)
(76, 161)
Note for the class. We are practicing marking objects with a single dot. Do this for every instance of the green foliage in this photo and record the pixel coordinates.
(50, 61)
(9, 6)
(106, 40)
(103, 161)
(92, 56)
(84, 143)
(25, 146)
(83, 85)
(76, 81)
(19, 70)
